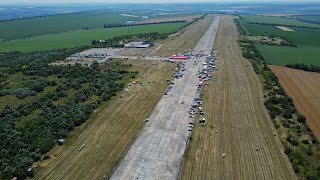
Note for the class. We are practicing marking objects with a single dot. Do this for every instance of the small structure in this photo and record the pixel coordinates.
(138, 45)
(142, 46)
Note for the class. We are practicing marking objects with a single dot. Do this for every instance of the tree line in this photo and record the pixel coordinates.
(136, 24)
(311, 68)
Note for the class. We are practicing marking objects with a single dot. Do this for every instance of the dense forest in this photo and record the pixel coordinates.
(41, 103)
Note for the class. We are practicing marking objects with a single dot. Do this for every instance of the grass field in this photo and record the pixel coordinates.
(277, 20)
(10, 30)
(186, 39)
(236, 123)
(82, 37)
(110, 131)
(280, 55)
(175, 15)
(308, 40)
(299, 35)
(313, 19)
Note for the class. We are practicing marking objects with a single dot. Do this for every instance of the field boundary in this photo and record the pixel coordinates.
(272, 24)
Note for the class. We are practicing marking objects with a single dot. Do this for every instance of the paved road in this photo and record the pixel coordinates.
(158, 151)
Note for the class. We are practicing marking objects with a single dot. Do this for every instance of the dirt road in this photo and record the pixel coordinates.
(304, 88)
(237, 123)
(158, 151)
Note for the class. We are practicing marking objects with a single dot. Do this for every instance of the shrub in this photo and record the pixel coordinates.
(285, 124)
(37, 87)
(287, 114)
(47, 156)
(309, 152)
(301, 118)
(292, 140)
(287, 150)
(305, 141)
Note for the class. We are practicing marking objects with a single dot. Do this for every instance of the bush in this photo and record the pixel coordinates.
(287, 150)
(272, 115)
(287, 114)
(275, 110)
(286, 124)
(301, 118)
(314, 141)
(37, 87)
(297, 169)
(309, 152)
(47, 156)
(305, 141)
(292, 140)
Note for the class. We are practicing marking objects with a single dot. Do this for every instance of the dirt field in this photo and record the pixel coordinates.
(304, 88)
(160, 20)
(110, 130)
(283, 28)
(188, 38)
(236, 123)
(137, 51)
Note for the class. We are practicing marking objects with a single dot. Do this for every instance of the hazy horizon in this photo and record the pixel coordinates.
(144, 1)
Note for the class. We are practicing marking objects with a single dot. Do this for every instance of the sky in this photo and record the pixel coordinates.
(136, 1)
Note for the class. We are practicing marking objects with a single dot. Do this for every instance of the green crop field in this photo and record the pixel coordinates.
(301, 36)
(82, 37)
(24, 28)
(313, 19)
(277, 20)
(279, 55)
(308, 40)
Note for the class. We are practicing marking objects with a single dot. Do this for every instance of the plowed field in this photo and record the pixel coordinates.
(304, 88)
(237, 123)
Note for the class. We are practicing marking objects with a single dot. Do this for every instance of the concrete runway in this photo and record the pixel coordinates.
(158, 151)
